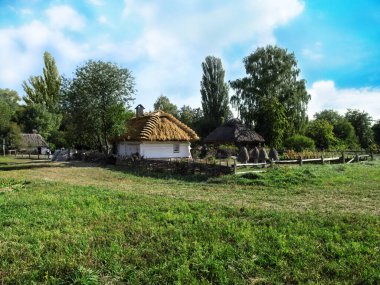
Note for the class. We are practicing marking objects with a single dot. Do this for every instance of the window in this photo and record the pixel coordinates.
(176, 148)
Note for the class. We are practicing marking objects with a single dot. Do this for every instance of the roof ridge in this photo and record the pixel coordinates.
(149, 126)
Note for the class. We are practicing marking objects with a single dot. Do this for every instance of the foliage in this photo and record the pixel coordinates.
(291, 225)
(214, 92)
(37, 117)
(227, 150)
(361, 121)
(190, 116)
(342, 128)
(95, 102)
(272, 77)
(321, 131)
(299, 143)
(376, 132)
(8, 106)
(44, 90)
(163, 103)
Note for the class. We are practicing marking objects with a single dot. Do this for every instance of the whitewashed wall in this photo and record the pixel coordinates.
(155, 149)
(128, 148)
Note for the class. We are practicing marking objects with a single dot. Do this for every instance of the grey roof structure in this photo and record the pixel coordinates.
(233, 131)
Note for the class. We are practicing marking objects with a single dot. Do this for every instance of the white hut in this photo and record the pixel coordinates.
(157, 135)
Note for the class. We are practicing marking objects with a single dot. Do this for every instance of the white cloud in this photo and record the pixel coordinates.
(325, 95)
(102, 20)
(64, 16)
(176, 37)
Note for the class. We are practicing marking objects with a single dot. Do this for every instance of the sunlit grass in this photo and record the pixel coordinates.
(81, 223)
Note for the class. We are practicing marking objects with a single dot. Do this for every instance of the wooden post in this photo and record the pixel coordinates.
(357, 158)
(343, 158)
(234, 166)
(300, 161)
(371, 154)
(322, 159)
(3, 147)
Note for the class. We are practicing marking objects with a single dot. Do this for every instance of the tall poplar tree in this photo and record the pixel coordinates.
(44, 89)
(214, 91)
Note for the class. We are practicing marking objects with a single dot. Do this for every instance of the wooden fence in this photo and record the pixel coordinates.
(346, 157)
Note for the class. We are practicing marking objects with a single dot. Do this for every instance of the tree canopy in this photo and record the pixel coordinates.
(342, 128)
(214, 91)
(44, 89)
(321, 131)
(163, 103)
(272, 76)
(361, 121)
(96, 101)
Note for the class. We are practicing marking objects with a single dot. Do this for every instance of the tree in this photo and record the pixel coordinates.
(376, 132)
(214, 91)
(44, 89)
(163, 103)
(342, 128)
(272, 76)
(8, 106)
(36, 117)
(96, 102)
(190, 116)
(361, 121)
(321, 131)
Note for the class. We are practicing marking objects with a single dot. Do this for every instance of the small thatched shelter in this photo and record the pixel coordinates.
(156, 135)
(33, 143)
(233, 131)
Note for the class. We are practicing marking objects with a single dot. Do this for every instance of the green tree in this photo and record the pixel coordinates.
(37, 117)
(8, 106)
(321, 131)
(361, 121)
(96, 102)
(343, 129)
(163, 103)
(272, 75)
(190, 116)
(376, 132)
(214, 91)
(44, 89)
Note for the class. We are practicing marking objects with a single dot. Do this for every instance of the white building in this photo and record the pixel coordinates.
(157, 135)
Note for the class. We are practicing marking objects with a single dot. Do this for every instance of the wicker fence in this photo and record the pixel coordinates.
(181, 167)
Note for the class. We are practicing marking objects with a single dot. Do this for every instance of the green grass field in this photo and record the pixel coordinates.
(77, 223)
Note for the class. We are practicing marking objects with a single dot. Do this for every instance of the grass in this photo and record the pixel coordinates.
(76, 223)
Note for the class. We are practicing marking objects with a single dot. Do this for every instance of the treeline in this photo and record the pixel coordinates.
(91, 108)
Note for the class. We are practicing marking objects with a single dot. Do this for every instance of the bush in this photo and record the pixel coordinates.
(227, 150)
(299, 143)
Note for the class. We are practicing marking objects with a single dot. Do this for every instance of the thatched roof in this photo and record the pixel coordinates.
(33, 140)
(233, 131)
(158, 126)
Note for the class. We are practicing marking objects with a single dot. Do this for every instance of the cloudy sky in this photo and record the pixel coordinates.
(164, 42)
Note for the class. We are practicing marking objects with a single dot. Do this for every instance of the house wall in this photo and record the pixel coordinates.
(155, 149)
(128, 148)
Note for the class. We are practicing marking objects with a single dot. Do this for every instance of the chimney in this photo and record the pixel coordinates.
(139, 110)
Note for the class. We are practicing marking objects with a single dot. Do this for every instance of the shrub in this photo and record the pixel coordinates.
(299, 143)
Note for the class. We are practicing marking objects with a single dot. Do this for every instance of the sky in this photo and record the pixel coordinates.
(164, 42)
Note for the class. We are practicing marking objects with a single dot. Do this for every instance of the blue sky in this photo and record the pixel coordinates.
(164, 42)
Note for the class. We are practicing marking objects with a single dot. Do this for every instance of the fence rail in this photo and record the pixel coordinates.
(346, 157)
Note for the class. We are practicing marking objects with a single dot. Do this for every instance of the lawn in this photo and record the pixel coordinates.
(78, 223)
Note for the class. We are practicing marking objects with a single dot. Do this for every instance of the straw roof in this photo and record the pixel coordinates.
(233, 131)
(33, 140)
(158, 126)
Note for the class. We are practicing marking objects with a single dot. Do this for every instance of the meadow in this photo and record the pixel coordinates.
(80, 223)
